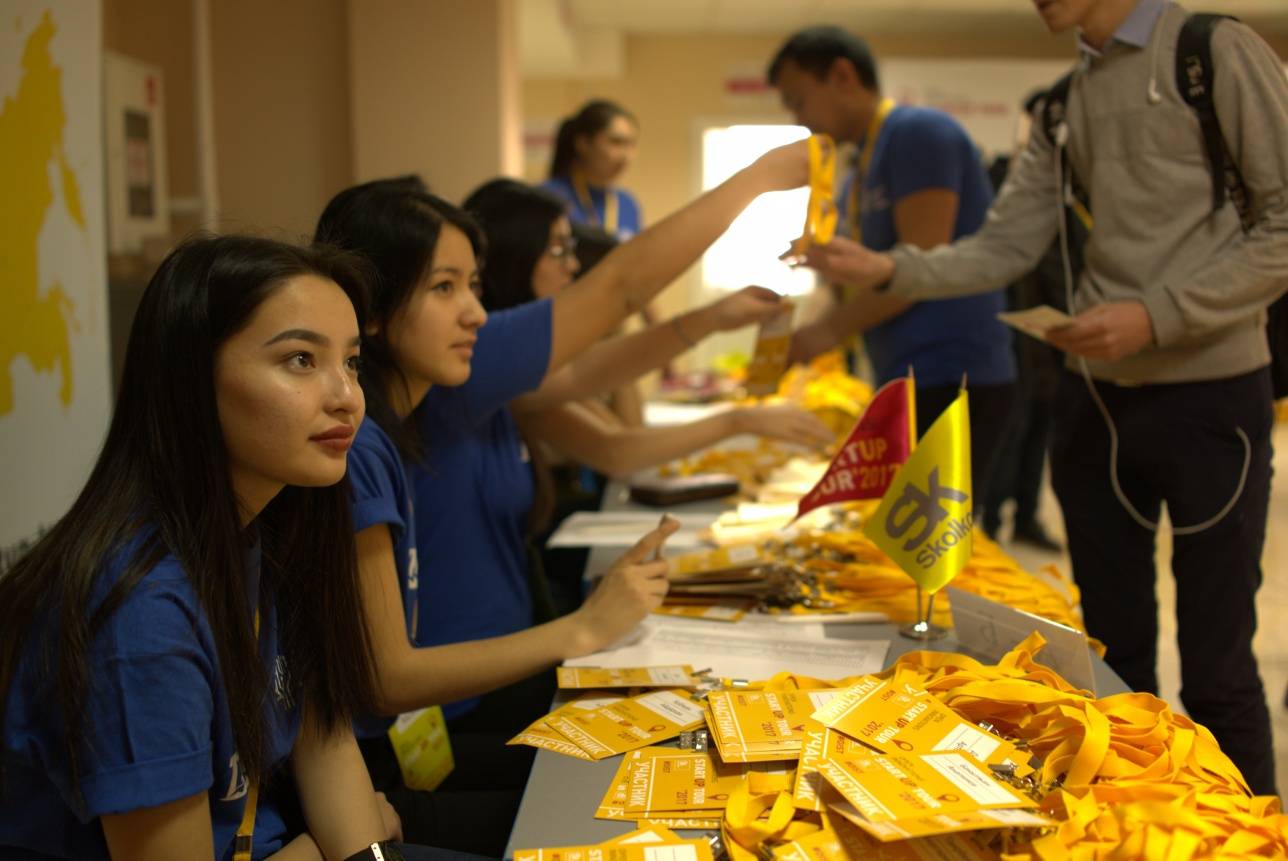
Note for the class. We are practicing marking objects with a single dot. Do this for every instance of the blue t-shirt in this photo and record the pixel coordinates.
(474, 489)
(380, 493)
(628, 208)
(156, 720)
(919, 149)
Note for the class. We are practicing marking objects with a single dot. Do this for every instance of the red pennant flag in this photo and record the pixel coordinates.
(879, 444)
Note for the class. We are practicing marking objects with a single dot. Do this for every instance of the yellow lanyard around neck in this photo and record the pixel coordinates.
(246, 831)
(853, 222)
(582, 190)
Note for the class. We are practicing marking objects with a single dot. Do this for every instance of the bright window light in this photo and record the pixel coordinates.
(748, 251)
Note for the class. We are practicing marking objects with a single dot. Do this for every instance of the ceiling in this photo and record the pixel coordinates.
(586, 37)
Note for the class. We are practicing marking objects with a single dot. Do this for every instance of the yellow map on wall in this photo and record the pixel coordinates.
(31, 136)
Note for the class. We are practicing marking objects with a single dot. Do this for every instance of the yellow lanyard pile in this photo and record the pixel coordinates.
(1126, 777)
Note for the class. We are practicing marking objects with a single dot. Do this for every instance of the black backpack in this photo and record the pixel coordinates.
(1194, 74)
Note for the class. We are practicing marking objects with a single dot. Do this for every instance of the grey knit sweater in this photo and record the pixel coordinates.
(1156, 239)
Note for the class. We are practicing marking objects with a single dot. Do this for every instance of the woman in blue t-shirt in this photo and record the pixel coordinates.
(188, 626)
(455, 576)
(425, 320)
(593, 148)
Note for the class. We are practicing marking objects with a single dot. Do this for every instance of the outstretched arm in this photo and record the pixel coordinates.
(616, 361)
(580, 434)
(635, 271)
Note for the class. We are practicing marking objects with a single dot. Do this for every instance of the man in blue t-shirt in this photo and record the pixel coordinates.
(916, 179)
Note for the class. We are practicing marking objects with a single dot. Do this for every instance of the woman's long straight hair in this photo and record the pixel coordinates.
(591, 119)
(395, 228)
(163, 482)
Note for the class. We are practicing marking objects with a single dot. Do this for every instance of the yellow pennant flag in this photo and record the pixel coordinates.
(924, 520)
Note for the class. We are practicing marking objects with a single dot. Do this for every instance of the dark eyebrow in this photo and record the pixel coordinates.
(299, 335)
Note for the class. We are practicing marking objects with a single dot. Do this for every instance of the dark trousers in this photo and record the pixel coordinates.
(474, 808)
(990, 412)
(1017, 467)
(1179, 445)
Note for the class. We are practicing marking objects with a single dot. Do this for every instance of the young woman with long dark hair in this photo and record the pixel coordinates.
(425, 319)
(528, 233)
(458, 578)
(190, 624)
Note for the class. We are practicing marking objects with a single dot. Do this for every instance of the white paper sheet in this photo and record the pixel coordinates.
(624, 528)
(989, 630)
(754, 651)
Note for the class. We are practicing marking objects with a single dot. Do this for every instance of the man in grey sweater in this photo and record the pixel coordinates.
(1166, 393)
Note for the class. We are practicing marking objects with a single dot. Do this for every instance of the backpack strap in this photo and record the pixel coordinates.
(1053, 107)
(1194, 77)
(1054, 118)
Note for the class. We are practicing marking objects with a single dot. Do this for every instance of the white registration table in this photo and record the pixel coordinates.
(562, 793)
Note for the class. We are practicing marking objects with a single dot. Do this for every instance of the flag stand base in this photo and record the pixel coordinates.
(923, 629)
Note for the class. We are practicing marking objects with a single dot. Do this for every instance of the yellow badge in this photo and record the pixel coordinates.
(904, 787)
(773, 343)
(684, 850)
(819, 743)
(893, 716)
(678, 676)
(631, 723)
(758, 726)
(422, 747)
(669, 784)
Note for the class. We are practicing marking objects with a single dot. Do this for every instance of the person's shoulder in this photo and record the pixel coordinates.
(558, 185)
(161, 608)
(371, 443)
(913, 122)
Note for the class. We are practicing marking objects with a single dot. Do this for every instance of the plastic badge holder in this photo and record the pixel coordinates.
(667, 491)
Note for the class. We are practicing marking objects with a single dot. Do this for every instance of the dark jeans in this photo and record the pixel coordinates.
(1178, 444)
(1017, 467)
(990, 412)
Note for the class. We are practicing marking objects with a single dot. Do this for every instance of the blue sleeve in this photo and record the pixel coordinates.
(150, 705)
(376, 480)
(928, 150)
(510, 358)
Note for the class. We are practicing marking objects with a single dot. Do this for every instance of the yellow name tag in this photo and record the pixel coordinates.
(819, 743)
(679, 676)
(720, 559)
(684, 850)
(667, 785)
(631, 723)
(540, 735)
(894, 717)
(912, 786)
(929, 836)
(723, 610)
(758, 726)
(422, 747)
(773, 343)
